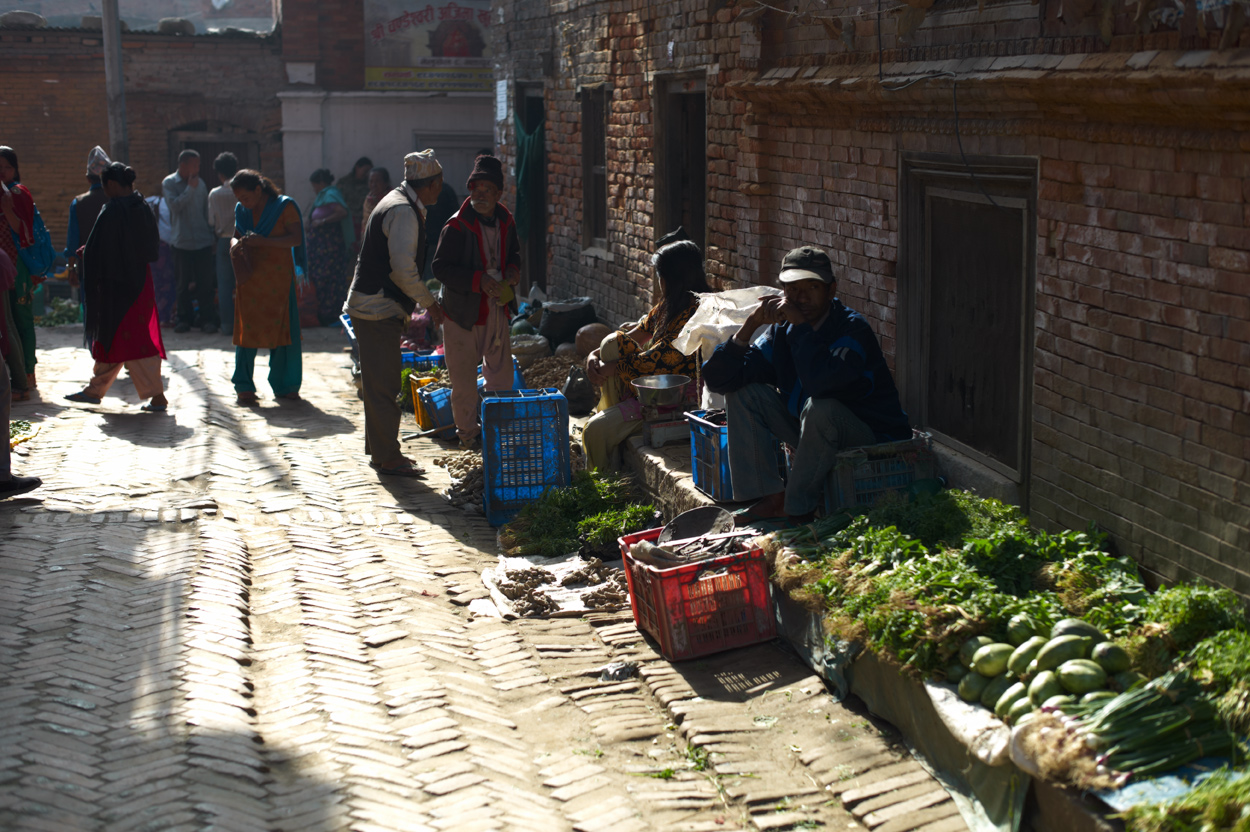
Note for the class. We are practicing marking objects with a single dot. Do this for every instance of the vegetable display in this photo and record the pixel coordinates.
(1048, 630)
(587, 516)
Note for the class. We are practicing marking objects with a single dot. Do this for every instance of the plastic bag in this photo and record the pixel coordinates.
(719, 316)
(579, 392)
(562, 318)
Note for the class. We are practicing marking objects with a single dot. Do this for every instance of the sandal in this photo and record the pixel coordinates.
(154, 408)
(82, 397)
(247, 399)
(403, 469)
(291, 397)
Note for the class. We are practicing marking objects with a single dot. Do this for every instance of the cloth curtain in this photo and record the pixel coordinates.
(530, 149)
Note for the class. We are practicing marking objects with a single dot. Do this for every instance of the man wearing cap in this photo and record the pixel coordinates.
(815, 380)
(385, 291)
(478, 261)
(84, 209)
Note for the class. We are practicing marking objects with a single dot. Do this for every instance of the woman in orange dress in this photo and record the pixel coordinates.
(269, 227)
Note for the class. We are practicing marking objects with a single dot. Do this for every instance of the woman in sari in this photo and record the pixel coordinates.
(17, 231)
(645, 349)
(330, 238)
(269, 228)
(121, 325)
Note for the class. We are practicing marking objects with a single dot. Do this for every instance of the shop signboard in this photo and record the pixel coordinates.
(435, 47)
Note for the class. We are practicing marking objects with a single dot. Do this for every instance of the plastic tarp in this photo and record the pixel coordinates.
(965, 747)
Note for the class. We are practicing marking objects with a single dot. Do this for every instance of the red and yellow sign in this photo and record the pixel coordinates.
(431, 48)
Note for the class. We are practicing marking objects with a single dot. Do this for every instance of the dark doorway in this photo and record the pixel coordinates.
(210, 140)
(976, 257)
(533, 117)
(681, 181)
(966, 305)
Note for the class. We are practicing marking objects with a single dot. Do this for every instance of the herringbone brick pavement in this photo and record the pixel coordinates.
(219, 618)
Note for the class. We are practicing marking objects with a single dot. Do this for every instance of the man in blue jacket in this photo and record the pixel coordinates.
(815, 380)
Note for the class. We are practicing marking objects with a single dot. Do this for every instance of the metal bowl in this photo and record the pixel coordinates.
(661, 391)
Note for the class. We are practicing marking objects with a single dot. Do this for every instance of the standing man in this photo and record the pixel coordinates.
(385, 290)
(192, 242)
(816, 380)
(84, 209)
(478, 261)
(221, 202)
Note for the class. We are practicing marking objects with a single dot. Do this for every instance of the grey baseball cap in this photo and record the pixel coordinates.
(806, 263)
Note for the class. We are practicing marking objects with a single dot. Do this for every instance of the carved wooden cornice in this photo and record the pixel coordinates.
(1177, 91)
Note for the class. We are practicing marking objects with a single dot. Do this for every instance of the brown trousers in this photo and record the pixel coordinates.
(380, 369)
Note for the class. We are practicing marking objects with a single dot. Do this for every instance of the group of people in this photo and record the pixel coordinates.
(815, 379)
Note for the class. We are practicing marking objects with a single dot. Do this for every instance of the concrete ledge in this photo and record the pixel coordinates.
(665, 475)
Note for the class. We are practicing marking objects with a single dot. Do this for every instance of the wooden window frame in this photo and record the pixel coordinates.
(596, 106)
(1007, 181)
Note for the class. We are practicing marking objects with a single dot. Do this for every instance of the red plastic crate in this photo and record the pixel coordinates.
(704, 607)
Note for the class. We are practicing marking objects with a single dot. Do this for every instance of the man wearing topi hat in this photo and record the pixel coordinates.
(815, 380)
(478, 261)
(385, 291)
(84, 209)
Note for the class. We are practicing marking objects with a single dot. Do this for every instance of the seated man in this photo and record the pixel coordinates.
(816, 380)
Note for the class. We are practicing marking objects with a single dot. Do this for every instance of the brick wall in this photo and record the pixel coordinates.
(1141, 419)
(55, 106)
(329, 34)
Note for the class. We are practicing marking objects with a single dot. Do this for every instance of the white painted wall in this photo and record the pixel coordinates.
(333, 130)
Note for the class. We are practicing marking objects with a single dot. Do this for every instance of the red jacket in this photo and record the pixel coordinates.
(460, 262)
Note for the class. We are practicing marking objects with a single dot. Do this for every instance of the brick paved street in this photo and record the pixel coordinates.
(220, 618)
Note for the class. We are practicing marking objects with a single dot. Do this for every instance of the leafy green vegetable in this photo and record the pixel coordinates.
(62, 311)
(557, 523)
(1193, 611)
(1221, 802)
(18, 427)
(1222, 664)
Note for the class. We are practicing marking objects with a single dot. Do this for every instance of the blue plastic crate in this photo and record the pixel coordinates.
(861, 476)
(709, 456)
(437, 404)
(421, 362)
(525, 449)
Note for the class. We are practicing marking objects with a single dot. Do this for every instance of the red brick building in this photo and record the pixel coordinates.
(1045, 217)
(207, 92)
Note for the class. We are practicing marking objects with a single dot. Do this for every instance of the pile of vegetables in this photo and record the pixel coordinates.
(1033, 625)
(1033, 671)
(1221, 801)
(59, 311)
(587, 517)
(18, 428)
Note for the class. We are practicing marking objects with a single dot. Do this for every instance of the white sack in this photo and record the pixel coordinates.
(719, 316)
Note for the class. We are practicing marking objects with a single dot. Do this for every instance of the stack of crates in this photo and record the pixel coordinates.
(432, 407)
(525, 449)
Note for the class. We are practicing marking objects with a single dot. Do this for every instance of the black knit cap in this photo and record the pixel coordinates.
(488, 168)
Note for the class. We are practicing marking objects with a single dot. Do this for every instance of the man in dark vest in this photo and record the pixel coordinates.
(84, 210)
(385, 291)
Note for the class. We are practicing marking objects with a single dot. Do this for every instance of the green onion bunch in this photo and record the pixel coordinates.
(1155, 727)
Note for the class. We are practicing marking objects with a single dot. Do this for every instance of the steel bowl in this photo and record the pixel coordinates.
(660, 391)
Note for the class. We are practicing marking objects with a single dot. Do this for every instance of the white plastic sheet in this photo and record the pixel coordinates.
(719, 316)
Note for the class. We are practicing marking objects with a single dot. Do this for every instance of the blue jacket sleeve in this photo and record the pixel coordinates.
(826, 368)
(732, 366)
